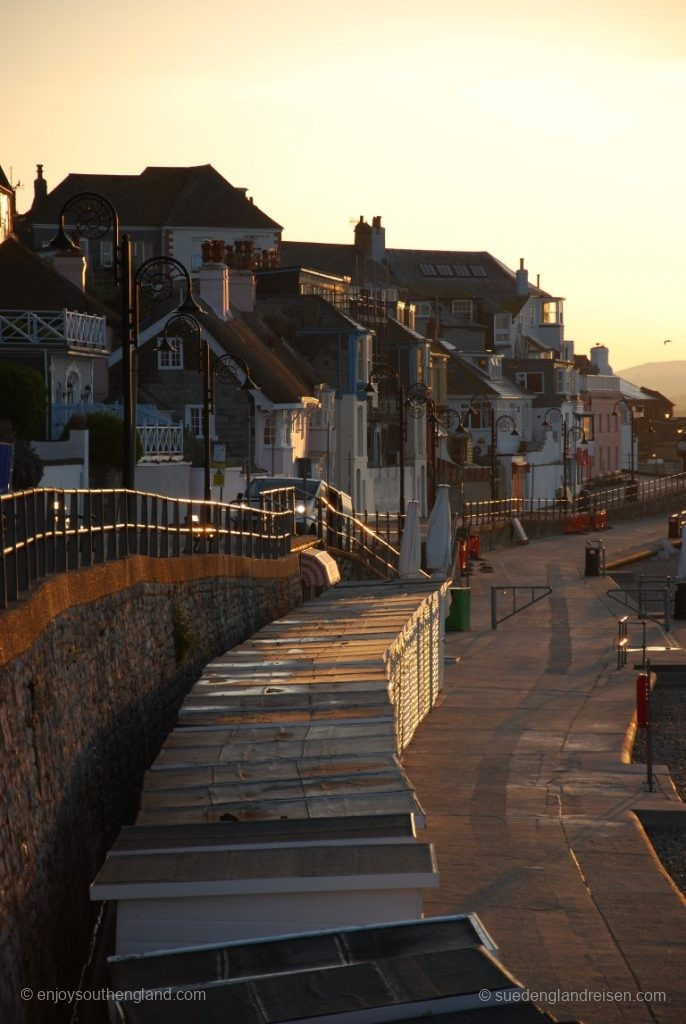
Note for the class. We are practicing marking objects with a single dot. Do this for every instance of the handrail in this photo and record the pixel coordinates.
(47, 531)
(483, 511)
(352, 536)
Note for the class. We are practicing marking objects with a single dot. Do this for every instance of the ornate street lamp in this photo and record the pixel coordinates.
(385, 376)
(234, 370)
(94, 217)
(477, 404)
(630, 410)
(420, 399)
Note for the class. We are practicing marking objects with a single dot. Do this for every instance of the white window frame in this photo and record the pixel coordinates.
(423, 309)
(171, 360)
(192, 418)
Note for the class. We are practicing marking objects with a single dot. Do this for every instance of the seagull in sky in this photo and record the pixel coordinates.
(667, 341)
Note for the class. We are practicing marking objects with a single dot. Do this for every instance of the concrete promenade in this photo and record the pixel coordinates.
(522, 771)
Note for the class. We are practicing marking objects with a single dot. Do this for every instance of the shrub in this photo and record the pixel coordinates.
(23, 400)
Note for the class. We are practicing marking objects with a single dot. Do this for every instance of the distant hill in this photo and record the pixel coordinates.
(668, 378)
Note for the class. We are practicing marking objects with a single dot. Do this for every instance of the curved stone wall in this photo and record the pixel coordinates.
(92, 669)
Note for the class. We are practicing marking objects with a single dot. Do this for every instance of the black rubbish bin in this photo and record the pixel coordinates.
(680, 601)
(676, 521)
(594, 558)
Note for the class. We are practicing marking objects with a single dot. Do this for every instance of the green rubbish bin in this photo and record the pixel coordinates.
(458, 616)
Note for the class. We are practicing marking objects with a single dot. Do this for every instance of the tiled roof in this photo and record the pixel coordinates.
(28, 282)
(424, 273)
(278, 371)
(162, 197)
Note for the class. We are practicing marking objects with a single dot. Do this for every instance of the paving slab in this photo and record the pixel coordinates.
(530, 802)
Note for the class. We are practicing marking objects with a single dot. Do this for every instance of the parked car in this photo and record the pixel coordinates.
(309, 492)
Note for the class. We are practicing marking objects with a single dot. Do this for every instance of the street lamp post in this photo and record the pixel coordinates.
(419, 398)
(571, 434)
(94, 217)
(477, 403)
(235, 371)
(188, 328)
(630, 410)
(382, 373)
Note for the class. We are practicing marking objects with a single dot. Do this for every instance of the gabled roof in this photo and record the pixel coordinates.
(279, 373)
(28, 282)
(4, 183)
(162, 197)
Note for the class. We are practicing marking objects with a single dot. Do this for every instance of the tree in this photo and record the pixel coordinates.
(106, 445)
(23, 400)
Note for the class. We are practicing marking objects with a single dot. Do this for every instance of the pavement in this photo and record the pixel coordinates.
(523, 770)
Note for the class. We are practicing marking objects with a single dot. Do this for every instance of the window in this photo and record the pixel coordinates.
(461, 270)
(551, 312)
(171, 360)
(444, 269)
(193, 419)
(427, 269)
(423, 309)
(142, 251)
(532, 382)
(463, 309)
(561, 382)
(106, 253)
(270, 430)
(196, 261)
(501, 329)
(478, 271)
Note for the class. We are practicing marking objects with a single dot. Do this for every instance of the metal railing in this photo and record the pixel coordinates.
(48, 531)
(388, 525)
(80, 330)
(623, 641)
(559, 509)
(649, 599)
(354, 537)
(516, 606)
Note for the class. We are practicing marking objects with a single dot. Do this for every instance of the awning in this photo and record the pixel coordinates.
(319, 569)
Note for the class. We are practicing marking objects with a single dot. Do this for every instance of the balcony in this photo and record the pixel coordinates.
(53, 327)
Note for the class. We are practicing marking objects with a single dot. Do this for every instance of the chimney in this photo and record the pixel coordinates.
(213, 277)
(363, 238)
(242, 290)
(72, 266)
(522, 281)
(40, 185)
(378, 241)
(600, 359)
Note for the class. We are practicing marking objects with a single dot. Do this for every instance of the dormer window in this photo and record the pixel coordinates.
(464, 309)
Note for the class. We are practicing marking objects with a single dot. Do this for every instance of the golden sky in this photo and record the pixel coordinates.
(545, 129)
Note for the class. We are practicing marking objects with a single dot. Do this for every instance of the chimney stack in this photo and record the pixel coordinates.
(363, 238)
(378, 241)
(213, 277)
(522, 280)
(40, 185)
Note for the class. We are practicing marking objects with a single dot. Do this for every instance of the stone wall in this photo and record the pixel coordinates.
(92, 669)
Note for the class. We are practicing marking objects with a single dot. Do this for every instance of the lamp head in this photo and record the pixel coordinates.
(62, 242)
(189, 307)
